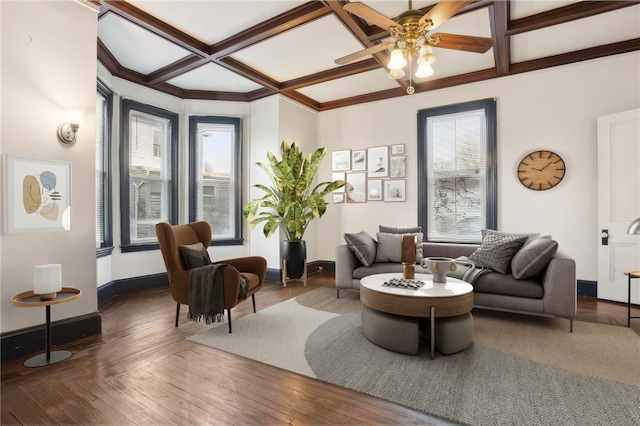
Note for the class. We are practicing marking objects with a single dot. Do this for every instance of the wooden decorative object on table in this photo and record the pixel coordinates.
(408, 256)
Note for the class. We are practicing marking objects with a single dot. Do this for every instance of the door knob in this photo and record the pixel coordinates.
(604, 236)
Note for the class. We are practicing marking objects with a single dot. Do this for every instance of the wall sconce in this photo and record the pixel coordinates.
(67, 131)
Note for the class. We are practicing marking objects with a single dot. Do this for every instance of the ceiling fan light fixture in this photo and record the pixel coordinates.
(426, 55)
(396, 74)
(424, 70)
(397, 60)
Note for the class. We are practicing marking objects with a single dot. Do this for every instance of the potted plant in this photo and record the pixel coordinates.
(291, 202)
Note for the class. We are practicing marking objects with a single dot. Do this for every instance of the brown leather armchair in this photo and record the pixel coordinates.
(171, 237)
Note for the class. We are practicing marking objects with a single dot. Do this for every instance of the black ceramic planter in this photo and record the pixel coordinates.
(295, 253)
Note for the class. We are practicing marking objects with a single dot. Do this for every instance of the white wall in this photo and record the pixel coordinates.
(48, 64)
(552, 109)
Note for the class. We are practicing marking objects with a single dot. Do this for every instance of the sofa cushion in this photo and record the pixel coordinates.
(496, 251)
(363, 246)
(507, 285)
(415, 230)
(195, 255)
(390, 247)
(533, 257)
(397, 230)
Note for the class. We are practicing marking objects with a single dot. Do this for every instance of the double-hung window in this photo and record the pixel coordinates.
(215, 178)
(104, 238)
(457, 171)
(149, 173)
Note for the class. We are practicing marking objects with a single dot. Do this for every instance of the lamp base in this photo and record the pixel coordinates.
(48, 297)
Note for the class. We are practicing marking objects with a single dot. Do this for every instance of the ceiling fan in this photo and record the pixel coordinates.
(411, 38)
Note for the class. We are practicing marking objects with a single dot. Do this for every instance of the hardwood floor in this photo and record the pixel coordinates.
(141, 370)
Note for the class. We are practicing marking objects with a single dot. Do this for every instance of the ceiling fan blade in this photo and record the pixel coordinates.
(372, 16)
(461, 42)
(359, 54)
(443, 11)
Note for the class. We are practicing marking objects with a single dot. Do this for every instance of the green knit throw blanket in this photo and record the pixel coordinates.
(206, 293)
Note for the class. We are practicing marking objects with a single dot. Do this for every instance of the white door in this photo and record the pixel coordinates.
(618, 203)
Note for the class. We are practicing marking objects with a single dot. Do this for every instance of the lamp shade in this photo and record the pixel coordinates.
(47, 280)
(397, 61)
(634, 228)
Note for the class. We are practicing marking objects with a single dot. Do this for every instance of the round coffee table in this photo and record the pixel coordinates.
(432, 300)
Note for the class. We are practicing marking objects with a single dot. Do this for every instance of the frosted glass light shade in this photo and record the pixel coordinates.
(397, 61)
(424, 70)
(396, 74)
(47, 280)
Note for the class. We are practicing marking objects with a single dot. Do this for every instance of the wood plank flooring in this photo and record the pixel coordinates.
(141, 370)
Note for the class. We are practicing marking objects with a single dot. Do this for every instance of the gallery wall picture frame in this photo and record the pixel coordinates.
(337, 176)
(356, 188)
(374, 190)
(359, 160)
(38, 195)
(341, 160)
(397, 149)
(398, 166)
(338, 198)
(378, 161)
(394, 190)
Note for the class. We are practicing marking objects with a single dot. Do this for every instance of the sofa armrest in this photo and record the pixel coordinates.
(346, 263)
(560, 288)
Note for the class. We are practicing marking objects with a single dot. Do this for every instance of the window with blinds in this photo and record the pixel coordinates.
(149, 166)
(457, 190)
(215, 184)
(104, 240)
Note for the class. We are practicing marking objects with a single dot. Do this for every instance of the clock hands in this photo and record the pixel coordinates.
(539, 170)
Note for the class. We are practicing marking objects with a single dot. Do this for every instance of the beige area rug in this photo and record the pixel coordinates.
(520, 370)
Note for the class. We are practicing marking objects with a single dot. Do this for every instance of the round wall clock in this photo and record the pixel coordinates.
(541, 170)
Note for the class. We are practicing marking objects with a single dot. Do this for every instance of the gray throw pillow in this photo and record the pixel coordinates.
(390, 247)
(533, 258)
(363, 246)
(496, 251)
(531, 236)
(195, 255)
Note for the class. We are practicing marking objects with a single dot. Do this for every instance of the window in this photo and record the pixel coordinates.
(149, 179)
(104, 239)
(215, 184)
(457, 171)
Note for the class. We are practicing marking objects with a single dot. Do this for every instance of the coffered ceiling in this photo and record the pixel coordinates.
(246, 50)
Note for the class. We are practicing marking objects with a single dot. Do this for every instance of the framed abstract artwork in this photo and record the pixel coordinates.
(398, 168)
(374, 190)
(359, 160)
(38, 195)
(394, 190)
(341, 160)
(356, 188)
(378, 161)
(397, 149)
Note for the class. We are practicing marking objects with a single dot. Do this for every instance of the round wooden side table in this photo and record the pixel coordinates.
(28, 299)
(630, 274)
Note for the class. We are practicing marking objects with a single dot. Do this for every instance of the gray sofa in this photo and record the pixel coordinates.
(550, 292)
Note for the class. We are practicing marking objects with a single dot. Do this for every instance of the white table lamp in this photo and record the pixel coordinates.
(47, 280)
